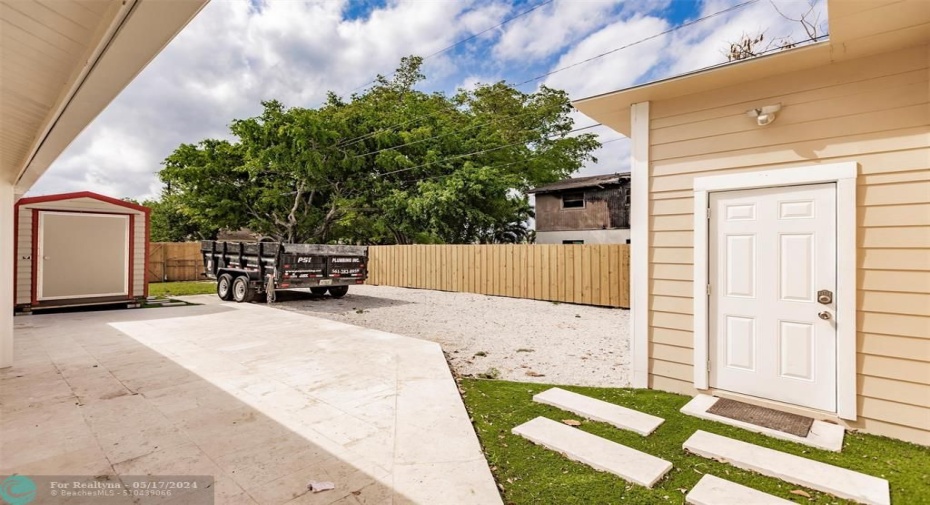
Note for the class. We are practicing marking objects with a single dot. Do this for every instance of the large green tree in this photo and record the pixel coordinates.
(170, 223)
(391, 165)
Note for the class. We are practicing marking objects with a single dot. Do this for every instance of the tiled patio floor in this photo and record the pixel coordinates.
(262, 399)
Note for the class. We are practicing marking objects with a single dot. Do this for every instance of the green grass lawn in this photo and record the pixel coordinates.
(530, 474)
(169, 289)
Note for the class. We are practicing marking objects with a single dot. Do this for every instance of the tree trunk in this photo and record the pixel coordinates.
(292, 215)
(327, 223)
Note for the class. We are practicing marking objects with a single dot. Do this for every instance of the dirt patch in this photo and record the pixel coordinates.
(489, 336)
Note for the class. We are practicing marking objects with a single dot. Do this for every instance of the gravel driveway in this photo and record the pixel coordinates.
(523, 340)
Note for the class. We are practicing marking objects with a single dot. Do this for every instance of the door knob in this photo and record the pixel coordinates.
(824, 315)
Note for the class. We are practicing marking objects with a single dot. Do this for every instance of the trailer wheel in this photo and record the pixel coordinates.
(242, 291)
(318, 291)
(224, 287)
(338, 291)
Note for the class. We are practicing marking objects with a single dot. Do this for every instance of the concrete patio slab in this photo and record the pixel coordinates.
(599, 453)
(262, 399)
(598, 410)
(834, 480)
(711, 490)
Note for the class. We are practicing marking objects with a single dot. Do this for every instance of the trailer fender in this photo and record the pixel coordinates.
(236, 272)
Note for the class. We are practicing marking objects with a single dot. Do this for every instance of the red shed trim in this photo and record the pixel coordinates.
(83, 194)
(73, 196)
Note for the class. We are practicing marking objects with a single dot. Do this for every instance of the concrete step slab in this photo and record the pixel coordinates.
(823, 435)
(711, 490)
(597, 410)
(830, 479)
(599, 453)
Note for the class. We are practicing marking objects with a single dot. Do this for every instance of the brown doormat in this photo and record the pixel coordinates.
(761, 416)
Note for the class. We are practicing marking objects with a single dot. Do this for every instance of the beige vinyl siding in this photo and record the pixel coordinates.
(24, 241)
(138, 260)
(24, 257)
(874, 111)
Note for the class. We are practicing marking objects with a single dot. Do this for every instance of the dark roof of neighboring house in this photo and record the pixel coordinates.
(242, 235)
(581, 182)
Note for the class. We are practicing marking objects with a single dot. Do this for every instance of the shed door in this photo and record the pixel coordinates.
(82, 255)
(771, 251)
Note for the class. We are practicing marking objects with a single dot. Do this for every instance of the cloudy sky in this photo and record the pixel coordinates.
(236, 53)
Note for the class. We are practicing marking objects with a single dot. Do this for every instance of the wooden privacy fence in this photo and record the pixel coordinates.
(174, 261)
(596, 274)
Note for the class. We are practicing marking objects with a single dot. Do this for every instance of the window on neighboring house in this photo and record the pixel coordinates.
(573, 200)
(573, 241)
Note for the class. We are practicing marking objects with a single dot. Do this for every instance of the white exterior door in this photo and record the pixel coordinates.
(770, 252)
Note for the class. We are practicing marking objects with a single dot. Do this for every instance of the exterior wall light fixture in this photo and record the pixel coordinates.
(764, 115)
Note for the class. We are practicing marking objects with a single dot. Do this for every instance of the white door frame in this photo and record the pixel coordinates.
(844, 175)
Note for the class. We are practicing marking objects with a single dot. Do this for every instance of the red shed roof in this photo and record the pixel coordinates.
(82, 194)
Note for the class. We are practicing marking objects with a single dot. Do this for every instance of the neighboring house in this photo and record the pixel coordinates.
(584, 210)
(787, 261)
(240, 235)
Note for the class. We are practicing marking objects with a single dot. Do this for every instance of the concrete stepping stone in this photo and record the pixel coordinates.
(597, 410)
(599, 453)
(830, 479)
(711, 490)
(822, 435)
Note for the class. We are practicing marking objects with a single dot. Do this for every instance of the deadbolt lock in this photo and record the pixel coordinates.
(825, 296)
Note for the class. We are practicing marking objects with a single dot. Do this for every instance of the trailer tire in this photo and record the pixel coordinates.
(224, 287)
(318, 291)
(338, 291)
(242, 290)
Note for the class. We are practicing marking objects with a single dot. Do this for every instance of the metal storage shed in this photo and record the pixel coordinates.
(79, 249)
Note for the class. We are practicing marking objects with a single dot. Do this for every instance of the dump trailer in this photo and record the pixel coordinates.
(248, 271)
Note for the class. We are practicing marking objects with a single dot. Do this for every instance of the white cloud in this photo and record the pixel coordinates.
(612, 157)
(614, 71)
(691, 48)
(471, 82)
(550, 28)
(230, 58)
(113, 162)
(704, 44)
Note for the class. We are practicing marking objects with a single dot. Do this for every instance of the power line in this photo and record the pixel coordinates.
(573, 65)
(386, 129)
(631, 44)
(504, 22)
(460, 131)
(458, 156)
(472, 37)
(441, 176)
(382, 130)
(504, 165)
